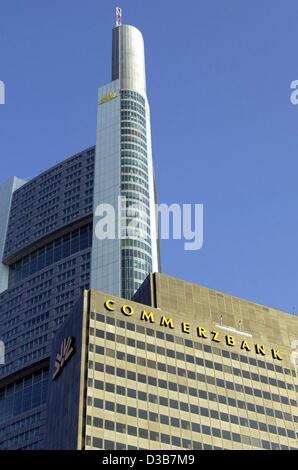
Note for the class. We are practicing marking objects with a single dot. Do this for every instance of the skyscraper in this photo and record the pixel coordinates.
(123, 168)
(50, 250)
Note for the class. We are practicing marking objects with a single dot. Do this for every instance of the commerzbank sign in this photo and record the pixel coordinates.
(215, 335)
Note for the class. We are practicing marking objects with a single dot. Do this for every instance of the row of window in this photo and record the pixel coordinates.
(18, 426)
(23, 437)
(134, 187)
(128, 94)
(127, 105)
(133, 125)
(106, 444)
(133, 117)
(177, 441)
(194, 344)
(201, 394)
(134, 253)
(60, 248)
(134, 132)
(24, 394)
(136, 263)
(133, 147)
(226, 384)
(134, 139)
(190, 358)
(132, 159)
(130, 178)
(131, 170)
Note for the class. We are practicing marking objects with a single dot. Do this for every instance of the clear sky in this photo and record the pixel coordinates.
(224, 131)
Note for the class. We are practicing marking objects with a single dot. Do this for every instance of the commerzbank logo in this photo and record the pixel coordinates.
(108, 97)
(63, 356)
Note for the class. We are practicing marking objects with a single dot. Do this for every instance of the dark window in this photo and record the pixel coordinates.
(263, 427)
(109, 405)
(120, 428)
(132, 430)
(194, 409)
(236, 437)
(185, 424)
(224, 417)
(216, 432)
(176, 441)
(214, 414)
(204, 411)
(152, 381)
(195, 427)
(164, 419)
(175, 422)
(120, 408)
(154, 436)
(97, 443)
(109, 425)
(131, 411)
(143, 433)
(225, 353)
(97, 422)
(131, 375)
(226, 435)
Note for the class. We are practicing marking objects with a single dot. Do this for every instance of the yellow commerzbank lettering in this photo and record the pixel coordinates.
(260, 349)
(148, 316)
(215, 336)
(167, 322)
(276, 354)
(202, 333)
(109, 305)
(185, 327)
(230, 340)
(127, 310)
(245, 345)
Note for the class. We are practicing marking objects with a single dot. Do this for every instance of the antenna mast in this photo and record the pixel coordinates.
(118, 16)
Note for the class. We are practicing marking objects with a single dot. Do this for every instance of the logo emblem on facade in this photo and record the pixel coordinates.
(110, 96)
(66, 351)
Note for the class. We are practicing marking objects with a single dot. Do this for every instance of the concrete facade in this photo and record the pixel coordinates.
(198, 370)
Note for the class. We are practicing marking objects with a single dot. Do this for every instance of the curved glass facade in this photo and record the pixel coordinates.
(136, 252)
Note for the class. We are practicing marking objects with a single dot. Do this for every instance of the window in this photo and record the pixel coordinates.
(110, 406)
(120, 428)
(132, 430)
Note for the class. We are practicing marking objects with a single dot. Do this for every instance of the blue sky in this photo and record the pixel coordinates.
(225, 133)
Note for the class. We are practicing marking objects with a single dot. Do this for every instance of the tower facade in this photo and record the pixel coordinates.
(46, 237)
(124, 176)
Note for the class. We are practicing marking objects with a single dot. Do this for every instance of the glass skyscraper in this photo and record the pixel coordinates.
(49, 247)
(124, 169)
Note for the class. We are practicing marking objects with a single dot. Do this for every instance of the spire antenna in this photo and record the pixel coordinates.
(118, 16)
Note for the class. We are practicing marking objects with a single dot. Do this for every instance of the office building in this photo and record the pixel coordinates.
(49, 247)
(194, 369)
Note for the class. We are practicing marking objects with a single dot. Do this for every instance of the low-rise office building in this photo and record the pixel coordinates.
(183, 367)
